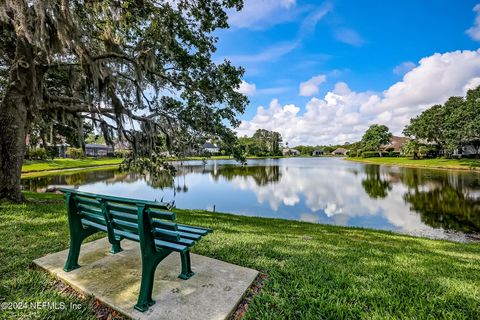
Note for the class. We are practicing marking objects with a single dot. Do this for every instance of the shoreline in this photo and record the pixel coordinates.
(414, 165)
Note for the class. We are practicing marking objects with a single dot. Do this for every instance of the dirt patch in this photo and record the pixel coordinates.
(254, 289)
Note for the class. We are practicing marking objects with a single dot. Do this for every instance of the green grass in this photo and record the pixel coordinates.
(60, 163)
(458, 164)
(314, 271)
(31, 166)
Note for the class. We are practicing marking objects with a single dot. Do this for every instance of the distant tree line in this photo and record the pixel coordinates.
(263, 143)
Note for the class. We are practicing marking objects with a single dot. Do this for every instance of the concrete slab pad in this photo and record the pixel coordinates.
(212, 293)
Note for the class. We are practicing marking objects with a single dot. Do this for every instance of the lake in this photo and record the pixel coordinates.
(431, 203)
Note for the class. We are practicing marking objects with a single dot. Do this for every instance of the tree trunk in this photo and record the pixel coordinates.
(14, 120)
(13, 126)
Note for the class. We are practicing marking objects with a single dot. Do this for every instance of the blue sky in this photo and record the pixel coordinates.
(363, 60)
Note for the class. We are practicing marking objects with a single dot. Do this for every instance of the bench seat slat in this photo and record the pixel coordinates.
(196, 227)
(170, 246)
(186, 242)
(127, 235)
(166, 235)
(164, 225)
(192, 229)
(188, 235)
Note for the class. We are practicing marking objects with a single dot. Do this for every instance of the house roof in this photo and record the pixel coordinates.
(209, 145)
(343, 150)
(396, 142)
(97, 146)
(318, 150)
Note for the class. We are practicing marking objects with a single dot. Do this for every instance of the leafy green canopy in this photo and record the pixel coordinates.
(262, 143)
(375, 137)
(450, 125)
(140, 70)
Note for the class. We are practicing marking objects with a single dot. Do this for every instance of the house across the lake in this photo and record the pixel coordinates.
(467, 150)
(210, 148)
(396, 144)
(340, 152)
(319, 152)
(98, 150)
(290, 152)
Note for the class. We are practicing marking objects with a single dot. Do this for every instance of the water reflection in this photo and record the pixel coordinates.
(375, 186)
(316, 189)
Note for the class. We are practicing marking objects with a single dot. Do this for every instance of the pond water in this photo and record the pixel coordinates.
(431, 203)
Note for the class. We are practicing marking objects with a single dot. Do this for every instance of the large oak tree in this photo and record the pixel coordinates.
(137, 69)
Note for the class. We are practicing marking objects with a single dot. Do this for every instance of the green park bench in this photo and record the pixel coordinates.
(142, 221)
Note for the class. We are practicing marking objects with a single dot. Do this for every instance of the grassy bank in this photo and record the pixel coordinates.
(457, 164)
(314, 271)
(31, 166)
(61, 164)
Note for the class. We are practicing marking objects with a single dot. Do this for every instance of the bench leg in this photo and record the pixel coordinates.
(116, 248)
(149, 265)
(73, 253)
(187, 272)
(76, 239)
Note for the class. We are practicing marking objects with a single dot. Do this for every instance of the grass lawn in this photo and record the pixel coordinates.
(314, 271)
(463, 164)
(61, 163)
(30, 166)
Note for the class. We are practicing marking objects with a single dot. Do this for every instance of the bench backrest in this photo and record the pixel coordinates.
(119, 217)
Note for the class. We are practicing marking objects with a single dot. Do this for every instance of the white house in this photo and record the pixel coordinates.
(290, 152)
(340, 152)
(210, 148)
(98, 150)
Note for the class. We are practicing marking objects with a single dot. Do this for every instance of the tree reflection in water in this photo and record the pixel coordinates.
(444, 199)
(374, 185)
(262, 175)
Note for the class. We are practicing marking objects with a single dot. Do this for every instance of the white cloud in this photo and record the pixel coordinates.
(310, 87)
(343, 115)
(296, 183)
(246, 88)
(349, 36)
(474, 32)
(262, 14)
(404, 67)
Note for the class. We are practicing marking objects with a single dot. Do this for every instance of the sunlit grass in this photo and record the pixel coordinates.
(441, 163)
(67, 163)
(314, 271)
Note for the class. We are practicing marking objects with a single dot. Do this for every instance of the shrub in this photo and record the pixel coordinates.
(52, 152)
(37, 154)
(394, 154)
(75, 153)
(122, 153)
(370, 154)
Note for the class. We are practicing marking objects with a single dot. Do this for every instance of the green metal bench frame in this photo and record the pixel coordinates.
(137, 220)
